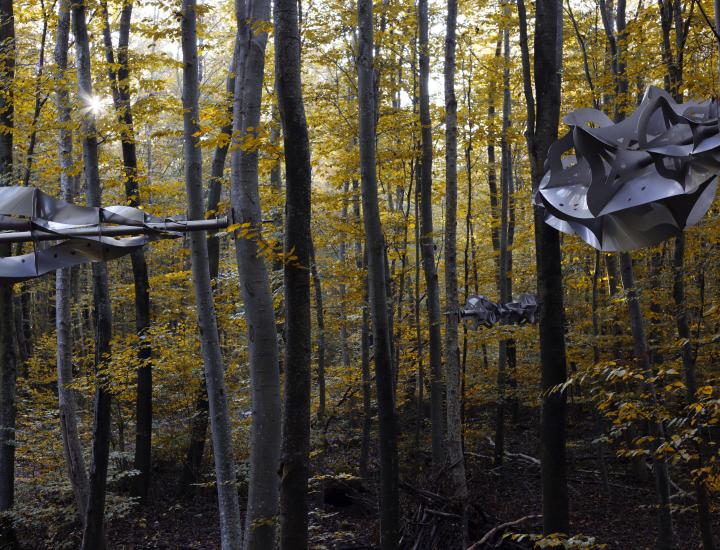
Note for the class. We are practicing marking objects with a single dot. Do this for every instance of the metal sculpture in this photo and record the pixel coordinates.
(480, 310)
(82, 233)
(635, 183)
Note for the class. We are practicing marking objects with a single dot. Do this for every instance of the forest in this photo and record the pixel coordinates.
(343, 305)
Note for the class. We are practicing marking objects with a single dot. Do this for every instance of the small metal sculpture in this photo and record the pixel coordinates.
(83, 233)
(635, 183)
(479, 310)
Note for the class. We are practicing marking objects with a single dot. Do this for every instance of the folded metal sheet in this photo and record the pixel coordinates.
(29, 209)
(633, 184)
(480, 310)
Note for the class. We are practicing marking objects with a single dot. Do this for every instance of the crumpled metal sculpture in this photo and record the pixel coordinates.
(520, 311)
(480, 310)
(635, 183)
(83, 233)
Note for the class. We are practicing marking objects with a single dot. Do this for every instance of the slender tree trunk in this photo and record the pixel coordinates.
(199, 421)
(8, 360)
(455, 456)
(40, 100)
(642, 353)
(428, 246)
(261, 519)
(230, 527)
(419, 342)
(361, 264)
(295, 463)
(389, 498)
(688, 359)
(74, 460)
(121, 101)
(320, 317)
(594, 306)
(217, 169)
(342, 253)
(94, 535)
(506, 346)
(542, 130)
(468, 229)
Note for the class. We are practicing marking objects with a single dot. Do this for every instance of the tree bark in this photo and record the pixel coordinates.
(342, 253)
(199, 421)
(688, 359)
(261, 518)
(320, 318)
(72, 448)
(428, 246)
(642, 354)
(455, 456)
(295, 463)
(121, 101)
(230, 527)
(8, 360)
(542, 129)
(360, 263)
(94, 533)
(375, 243)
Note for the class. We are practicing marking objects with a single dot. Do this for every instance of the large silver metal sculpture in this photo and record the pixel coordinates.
(635, 183)
(81, 233)
(479, 310)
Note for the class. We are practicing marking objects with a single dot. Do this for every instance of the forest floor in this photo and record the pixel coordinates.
(618, 514)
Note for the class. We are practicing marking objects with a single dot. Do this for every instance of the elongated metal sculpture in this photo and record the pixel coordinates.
(479, 310)
(635, 183)
(82, 233)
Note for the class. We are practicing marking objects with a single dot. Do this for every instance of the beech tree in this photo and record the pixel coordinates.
(260, 523)
(230, 527)
(376, 281)
(8, 366)
(543, 114)
(295, 459)
(119, 86)
(428, 243)
(94, 529)
(74, 460)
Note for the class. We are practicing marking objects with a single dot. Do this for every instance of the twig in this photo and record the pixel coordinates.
(442, 514)
(492, 532)
(528, 458)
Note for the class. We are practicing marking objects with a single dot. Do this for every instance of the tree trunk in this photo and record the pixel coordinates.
(94, 535)
(389, 498)
(121, 101)
(8, 360)
(468, 228)
(361, 264)
(419, 342)
(542, 130)
(199, 421)
(230, 527)
(688, 359)
(320, 317)
(642, 354)
(74, 460)
(428, 247)
(507, 346)
(261, 518)
(40, 100)
(295, 462)
(342, 253)
(455, 456)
